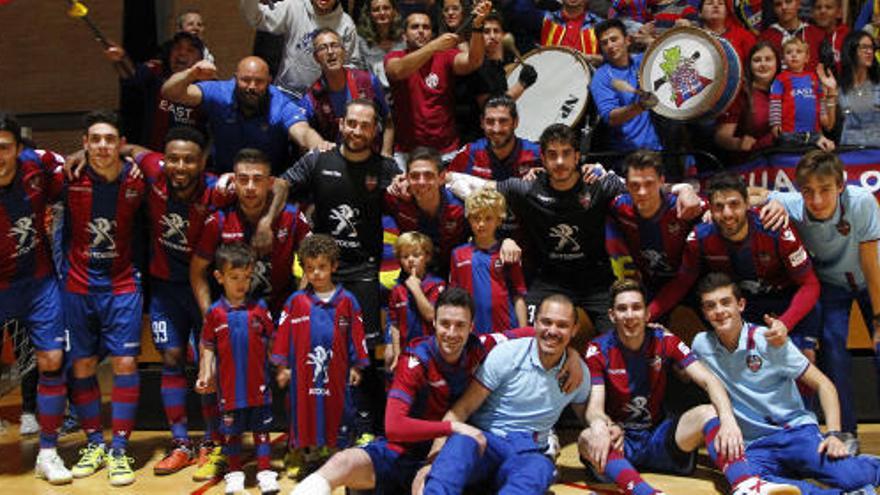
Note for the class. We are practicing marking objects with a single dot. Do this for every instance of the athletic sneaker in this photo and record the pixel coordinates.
(865, 490)
(294, 464)
(119, 469)
(51, 468)
(234, 482)
(850, 441)
(29, 425)
(179, 458)
(94, 456)
(267, 480)
(364, 439)
(553, 447)
(757, 486)
(212, 463)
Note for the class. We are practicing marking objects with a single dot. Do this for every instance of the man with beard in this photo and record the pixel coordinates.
(422, 79)
(772, 267)
(145, 81)
(244, 112)
(297, 21)
(325, 101)
(347, 186)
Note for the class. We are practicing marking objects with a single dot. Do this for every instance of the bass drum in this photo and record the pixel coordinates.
(694, 74)
(558, 96)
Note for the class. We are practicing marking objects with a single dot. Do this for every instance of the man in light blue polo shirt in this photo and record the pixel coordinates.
(244, 112)
(783, 442)
(840, 226)
(515, 399)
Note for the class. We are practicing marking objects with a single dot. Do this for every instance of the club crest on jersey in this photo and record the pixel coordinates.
(432, 80)
(343, 323)
(754, 362)
(370, 182)
(131, 193)
(585, 199)
(499, 265)
(673, 228)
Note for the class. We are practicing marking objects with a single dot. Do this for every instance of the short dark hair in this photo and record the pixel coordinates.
(625, 285)
(501, 101)
(235, 255)
(559, 298)
(558, 133)
(418, 10)
(457, 297)
(186, 133)
(818, 162)
(643, 159)
(608, 25)
(325, 30)
(108, 117)
(494, 16)
(726, 181)
(251, 155)
(9, 124)
(426, 153)
(365, 102)
(318, 245)
(714, 281)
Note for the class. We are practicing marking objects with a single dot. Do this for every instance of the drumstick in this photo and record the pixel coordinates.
(79, 11)
(624, 86)
(509, 44)
(466, 23)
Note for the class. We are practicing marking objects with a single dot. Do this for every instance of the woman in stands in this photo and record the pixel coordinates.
(380, 30)
(859, 96)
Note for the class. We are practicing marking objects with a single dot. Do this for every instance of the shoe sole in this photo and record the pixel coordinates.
(84, 475)
(785, 490)
(121, 483)
(64, 481)
(166, 471)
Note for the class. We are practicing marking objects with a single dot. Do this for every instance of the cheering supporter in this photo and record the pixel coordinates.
(715, 19)
(191, 21)
(146, 80)
(452, 20)
(326, 99)
(380, 30)
(422, 81)
(573, 26)
(745, 127)
(859, 96)
(788, 26)
(296, 21)
(244, 112)
(826, 15)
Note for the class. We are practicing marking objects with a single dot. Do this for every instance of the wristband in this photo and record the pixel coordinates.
(835, 433)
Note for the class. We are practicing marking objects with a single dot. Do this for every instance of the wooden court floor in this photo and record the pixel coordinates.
(147, 447)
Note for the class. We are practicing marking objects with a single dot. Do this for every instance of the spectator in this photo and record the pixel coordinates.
(572, 27)
(326, 99)
(826, 15)
(745, 126)
(859, 95)
(625, 113)
(244, 112)
(296, 20)
(380, 31)
(190, 21)
(715, 20)
(422, 82)
(452, 20)
(788, 26)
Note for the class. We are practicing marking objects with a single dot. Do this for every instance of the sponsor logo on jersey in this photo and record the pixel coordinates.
(25, 235)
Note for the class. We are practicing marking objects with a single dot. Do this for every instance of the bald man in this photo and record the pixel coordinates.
(246, 111)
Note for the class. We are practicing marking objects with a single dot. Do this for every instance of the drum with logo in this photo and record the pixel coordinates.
(558, 96)
(693, 73)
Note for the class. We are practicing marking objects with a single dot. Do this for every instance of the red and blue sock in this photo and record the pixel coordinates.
(263, 449)
(86, 398)
(51, 400)
(625, 475)
(232, 451)
(735, 470)
(126, 390)
(211, 416)
(174, 399)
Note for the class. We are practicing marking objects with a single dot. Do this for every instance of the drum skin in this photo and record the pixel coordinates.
(559, 95)
(694, 74)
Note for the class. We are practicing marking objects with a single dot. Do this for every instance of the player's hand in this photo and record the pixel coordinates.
(481, 10)
(729, 440)
(510, 251)
(592, 172)
(135, 172)
(468, 430)
(325, 146)
(283, 377)
(114, 53)
(777, 332)
(399, 187)
(572, 375)
(527, 76)
(203, 71)
(354, 377)
(827, 79)
(594, 443)
(825, 144)
(445, 41)
(205, 384)
(833, 448)
(688, 205)
(226, 182)
(617, 436)
(74, 164)
(532, 174)
(262, 240)
(393, 359)
(774, 216)
(657, 326)
(747, 142)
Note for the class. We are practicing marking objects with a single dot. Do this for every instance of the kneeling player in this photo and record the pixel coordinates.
(628, 368)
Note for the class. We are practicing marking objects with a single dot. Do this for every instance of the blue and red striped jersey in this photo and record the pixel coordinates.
(493, 284)
(240, 338)
(796, 102)
(403, 312)
(272, 273)
(635, 381)
(447, 229)
(427, 386)
(99, 226)
(319, 342)
(25, 252)
(175, 225)
(654, 245)
(478, 159)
